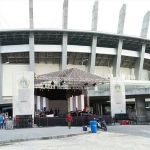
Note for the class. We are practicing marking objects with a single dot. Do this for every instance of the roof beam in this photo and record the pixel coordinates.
(82, 58)
(46, 60)
(147, 65)
(23, 57)
(100, 60)
(106, 61)
(39, 57)
(68, 56)
(54, 58)
(7, 58)
(124, 61)
(16, 58)
(75, 58)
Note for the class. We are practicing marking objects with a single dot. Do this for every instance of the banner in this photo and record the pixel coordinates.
(23, 93)
(117, 89)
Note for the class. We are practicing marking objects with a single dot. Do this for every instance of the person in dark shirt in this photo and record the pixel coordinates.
(51, 111)
(17, 122)
(29, 121)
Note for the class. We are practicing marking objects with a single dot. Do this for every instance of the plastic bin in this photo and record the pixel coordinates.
(84, 128)
(93, 125)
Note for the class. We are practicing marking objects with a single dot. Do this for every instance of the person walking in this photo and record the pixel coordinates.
(4, 122)
(17, 120)
(69, 119)
(29, 121)
(1, 122)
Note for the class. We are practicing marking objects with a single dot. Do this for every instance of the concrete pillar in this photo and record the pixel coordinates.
(139, 63)
(145, 25)
(117, 59)
(148, 75)
(1, 75)
(63, 64)
(38, 102)
(31, 22)
(64, 52)
(31, 53)
(92, 56)
(70, 104)
(91, 64)
(65, 15)
(95, 16)
(31, 37)
(121, 20)
(140, 108)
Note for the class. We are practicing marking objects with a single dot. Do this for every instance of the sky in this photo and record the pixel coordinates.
(14, 14)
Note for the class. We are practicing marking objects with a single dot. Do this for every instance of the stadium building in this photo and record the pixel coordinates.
(107, 55)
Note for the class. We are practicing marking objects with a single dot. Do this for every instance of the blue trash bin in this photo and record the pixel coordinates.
(93, 125)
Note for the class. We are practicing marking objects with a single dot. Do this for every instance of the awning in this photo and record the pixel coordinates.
(6, 108)
(72, 77)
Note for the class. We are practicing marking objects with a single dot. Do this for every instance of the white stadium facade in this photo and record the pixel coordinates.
(106, 55)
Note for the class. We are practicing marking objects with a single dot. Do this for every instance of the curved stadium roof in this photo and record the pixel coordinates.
(75, 37)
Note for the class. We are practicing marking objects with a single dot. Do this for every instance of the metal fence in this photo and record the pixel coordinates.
(53, 121)
(61, 121)
(140, 120)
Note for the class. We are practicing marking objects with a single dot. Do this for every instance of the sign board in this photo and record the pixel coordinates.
(117, 89)
(23, 93)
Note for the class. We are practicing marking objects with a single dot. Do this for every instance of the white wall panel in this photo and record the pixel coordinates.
(48, 48)
(8, 77)
(104, 50)
(81, 67)
(126, 71)
(15, 48)
(45, 68)
(145, 74)
(147, 56)
(103, 70)
(78, 49)
(130, 53)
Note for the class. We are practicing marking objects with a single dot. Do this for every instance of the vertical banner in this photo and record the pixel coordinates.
(23, 93)
(117, 89)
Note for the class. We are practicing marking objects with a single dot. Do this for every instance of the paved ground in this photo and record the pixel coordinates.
(135, 130)
(119, 137)
(17, 135)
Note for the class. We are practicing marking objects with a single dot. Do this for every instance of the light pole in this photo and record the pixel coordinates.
(87, 92)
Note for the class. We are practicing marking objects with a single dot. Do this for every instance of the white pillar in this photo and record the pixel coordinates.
(75, 103)
(70, 104)
(38, 102)
(96, 88)
(44, 102)
(81, 102)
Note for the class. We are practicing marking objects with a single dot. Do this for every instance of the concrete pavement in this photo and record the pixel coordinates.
(27, 134)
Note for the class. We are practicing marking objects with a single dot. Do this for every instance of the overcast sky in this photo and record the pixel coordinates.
(14, 14)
